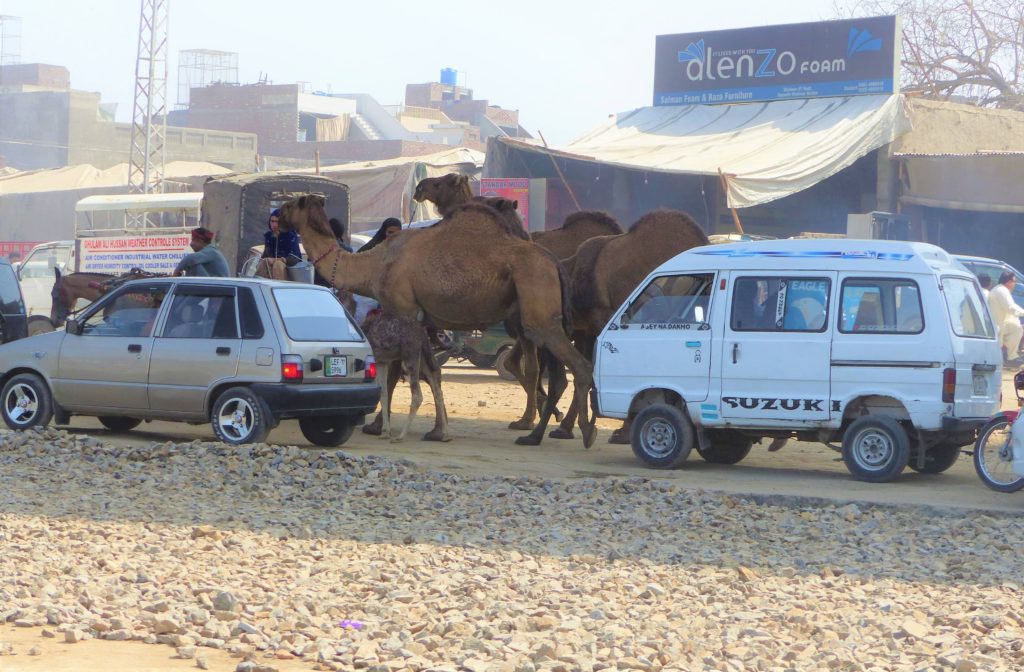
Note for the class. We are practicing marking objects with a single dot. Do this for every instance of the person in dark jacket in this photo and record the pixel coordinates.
(278, 244)
(390, 227)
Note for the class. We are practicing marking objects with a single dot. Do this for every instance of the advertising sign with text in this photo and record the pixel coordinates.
(156, 254)
(802, 60)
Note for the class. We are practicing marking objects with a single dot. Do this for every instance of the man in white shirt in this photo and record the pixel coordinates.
(1006, 314)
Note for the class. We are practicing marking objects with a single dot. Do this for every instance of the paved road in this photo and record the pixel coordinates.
(483, 445)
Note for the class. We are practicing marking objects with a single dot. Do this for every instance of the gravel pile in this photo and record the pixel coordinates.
(276, 552)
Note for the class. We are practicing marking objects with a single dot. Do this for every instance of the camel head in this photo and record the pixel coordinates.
(450, 188)
(503, 205)
(303, 214)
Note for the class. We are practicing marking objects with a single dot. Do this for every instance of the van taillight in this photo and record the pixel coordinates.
(291, 368)
(948, 386)
(371, 369)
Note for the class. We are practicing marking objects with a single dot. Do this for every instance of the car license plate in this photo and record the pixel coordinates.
(335, 366)
(980, 385)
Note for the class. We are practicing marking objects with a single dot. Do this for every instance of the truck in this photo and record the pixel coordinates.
(113, 234)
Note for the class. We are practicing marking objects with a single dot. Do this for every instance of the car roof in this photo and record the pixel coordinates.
(192, 280)
(987, 260)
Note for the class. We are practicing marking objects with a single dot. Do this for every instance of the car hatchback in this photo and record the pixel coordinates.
(243, 354)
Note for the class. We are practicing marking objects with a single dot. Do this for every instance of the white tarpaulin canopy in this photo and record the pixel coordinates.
(766, 150)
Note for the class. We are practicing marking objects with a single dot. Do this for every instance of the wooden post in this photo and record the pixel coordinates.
(317, 156)
(559, 171)
(725, 190)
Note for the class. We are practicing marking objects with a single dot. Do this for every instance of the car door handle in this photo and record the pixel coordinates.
(134, 347)
(223, 351)
(735, 352)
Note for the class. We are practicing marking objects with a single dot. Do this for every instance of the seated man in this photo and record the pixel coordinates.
(188, 325)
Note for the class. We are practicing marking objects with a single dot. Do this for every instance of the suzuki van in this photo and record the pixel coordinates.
(882, 350)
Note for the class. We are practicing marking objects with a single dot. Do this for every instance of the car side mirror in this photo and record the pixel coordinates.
(72, 326)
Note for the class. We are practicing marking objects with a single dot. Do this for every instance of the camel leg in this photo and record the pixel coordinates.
(564, 430)
(556, 386)
(413, 370)
(393, 374)
(385, 402)
(440, 431)
(527, 370)
(562, 349)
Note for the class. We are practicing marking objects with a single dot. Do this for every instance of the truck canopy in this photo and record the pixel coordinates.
(137, 214)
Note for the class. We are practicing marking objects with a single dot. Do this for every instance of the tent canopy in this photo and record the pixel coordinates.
(766, 150)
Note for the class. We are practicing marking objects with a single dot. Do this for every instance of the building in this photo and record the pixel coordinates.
(44, 123)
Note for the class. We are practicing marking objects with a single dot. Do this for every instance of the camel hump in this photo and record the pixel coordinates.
(593, 218)
(672, 223)
(479, 212)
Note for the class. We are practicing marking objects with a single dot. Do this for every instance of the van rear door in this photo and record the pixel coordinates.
(976, 352)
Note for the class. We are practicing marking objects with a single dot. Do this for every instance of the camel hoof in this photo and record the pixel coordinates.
(559, 415)
(619, 437)
(589, 435)
(436, 436)
(560, 433)
(528, 440)
(373, 429)
(521, 425)
(383, 436)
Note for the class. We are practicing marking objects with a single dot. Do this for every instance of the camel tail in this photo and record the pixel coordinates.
(566, 283)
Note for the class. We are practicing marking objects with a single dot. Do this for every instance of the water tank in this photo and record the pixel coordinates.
(449, 76)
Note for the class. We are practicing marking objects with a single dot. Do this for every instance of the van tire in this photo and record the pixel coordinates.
(876, 448)
(501, 364)
(328, 431)
(662, 436)
(727, 447)
(938, 459)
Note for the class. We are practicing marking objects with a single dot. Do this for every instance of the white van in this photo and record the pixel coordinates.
(885, 347)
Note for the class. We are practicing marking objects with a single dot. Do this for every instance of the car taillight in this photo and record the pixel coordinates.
(371, 369)
(948, 386)
(291, 368)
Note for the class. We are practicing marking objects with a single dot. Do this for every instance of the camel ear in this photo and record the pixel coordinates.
(462, 180)
(515, 205)
(301, 202)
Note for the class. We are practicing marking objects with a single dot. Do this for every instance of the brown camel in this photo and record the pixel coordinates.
(605, 272)
(466, 273)
(445, 192)
(402, 345)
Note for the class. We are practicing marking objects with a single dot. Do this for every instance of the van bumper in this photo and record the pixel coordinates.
(298, 401)
(951, 424)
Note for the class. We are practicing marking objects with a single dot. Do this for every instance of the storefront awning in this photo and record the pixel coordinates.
(984, 181)
(766, 150)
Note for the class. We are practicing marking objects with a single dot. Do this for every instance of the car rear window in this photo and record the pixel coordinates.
(314, 315)
(967, 308)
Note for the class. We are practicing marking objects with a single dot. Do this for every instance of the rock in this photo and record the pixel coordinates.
(35, 651)
(187, 652)
(746, 574)
(48, 633)
(225, 601)
(201, 663)
(72, 636)
(915, 629)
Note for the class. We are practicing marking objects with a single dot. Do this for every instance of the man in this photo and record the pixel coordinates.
(1006, 314)
(206, 261)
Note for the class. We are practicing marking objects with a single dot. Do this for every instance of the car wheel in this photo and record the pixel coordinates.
(27, 402)
(727, 447)
(481, 361)
(328, 431)
(937, 459)
(875, 448)
(239, 416)
(501, 364)
(662, 436)
(39, 325)
(993, 456)
(442, 357)
(118, 423)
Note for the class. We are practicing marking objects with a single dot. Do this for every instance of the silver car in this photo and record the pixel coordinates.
(241, 353)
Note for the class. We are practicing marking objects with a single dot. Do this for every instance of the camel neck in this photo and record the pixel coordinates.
(356, 273)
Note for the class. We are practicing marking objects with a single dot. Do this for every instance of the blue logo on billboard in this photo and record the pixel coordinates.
(862, 40)
(694, 52)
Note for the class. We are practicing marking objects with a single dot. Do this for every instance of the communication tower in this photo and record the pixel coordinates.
(202, 67)
(149, 118)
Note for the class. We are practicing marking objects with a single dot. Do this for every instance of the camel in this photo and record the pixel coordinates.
(402, 345)
(466, 273)
(605, 272)
(445, 192)
(68, 289)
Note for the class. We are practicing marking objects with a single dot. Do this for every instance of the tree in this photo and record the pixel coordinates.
(968, 50)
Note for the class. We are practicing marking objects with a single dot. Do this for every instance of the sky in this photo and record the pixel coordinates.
(564, 65)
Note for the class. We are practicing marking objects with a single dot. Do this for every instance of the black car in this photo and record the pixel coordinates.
(13, 321)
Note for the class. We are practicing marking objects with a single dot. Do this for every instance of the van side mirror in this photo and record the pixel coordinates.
(72, 326)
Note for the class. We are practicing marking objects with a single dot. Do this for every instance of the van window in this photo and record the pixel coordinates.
(672, 299)
(875, 306)
(966, 308)
(780, 304)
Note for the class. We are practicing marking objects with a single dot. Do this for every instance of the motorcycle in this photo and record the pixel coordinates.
(999, 450)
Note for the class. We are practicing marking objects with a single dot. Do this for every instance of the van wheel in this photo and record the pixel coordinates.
(481, 361)
(875, 448)
(26, 402)
(239, 416)
(937, 459)
(662, 436)
(501, 364)
(727, 447)
(328, 431)
(39, 325)
(119, 424)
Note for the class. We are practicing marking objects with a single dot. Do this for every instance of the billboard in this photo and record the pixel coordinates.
(156, 254)
(801, 60)
(512, 188)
